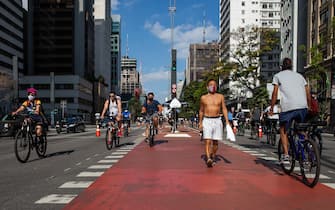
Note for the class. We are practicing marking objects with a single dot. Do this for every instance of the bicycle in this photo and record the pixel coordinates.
(25, 141)
(241, 127)
(315, 133)
(304, 150)
(126, 124)
(112, 128)
(152, 130)
(271, 131)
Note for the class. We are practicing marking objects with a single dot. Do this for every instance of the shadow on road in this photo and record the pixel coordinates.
(66, 152)
(217, 159)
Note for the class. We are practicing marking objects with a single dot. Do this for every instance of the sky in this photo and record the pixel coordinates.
(147, 24)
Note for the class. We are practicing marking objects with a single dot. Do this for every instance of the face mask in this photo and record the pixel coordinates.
(30, 97)
(211, 89)
(150, 99)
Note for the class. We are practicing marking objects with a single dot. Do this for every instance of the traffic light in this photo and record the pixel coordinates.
(174, 60)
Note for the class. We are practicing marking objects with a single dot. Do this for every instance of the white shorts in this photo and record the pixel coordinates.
(212, 128)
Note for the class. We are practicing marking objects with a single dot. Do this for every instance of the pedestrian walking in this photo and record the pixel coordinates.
(212, 105)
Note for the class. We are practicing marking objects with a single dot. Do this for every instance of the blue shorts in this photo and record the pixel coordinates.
(286, 118)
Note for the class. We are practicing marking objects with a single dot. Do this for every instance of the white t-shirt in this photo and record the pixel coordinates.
(292, 89)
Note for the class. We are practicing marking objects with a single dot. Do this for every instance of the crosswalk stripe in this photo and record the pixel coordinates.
(119, 153)
(90, 174)
(269, 158)
(56, 199)
(100, 166)
(331, 185)
(114, 156)
(108, 161)
(76, 184)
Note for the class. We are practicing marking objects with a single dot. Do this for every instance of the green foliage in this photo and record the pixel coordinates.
(135, 107)
(192, 94)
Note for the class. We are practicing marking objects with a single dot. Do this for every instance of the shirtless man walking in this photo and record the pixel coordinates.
(211, 106)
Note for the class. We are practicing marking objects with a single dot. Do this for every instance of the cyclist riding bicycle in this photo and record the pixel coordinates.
(271, 120)
(295, 100)
(33, 107)
(153, 109)
(126, 117)
(112, 108)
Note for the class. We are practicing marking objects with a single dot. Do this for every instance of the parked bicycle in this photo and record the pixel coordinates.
(26, 140)
(303, 149)
(113, 139)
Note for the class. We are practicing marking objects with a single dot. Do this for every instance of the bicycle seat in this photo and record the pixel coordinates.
(302, 126)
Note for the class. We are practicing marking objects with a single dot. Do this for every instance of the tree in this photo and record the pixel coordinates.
(192, 94)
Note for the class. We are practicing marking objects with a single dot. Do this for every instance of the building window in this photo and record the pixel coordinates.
(243, 3)
(243, 12)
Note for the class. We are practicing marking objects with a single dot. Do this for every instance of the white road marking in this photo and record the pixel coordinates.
(88, 158)
(90, 174)
(258, 154)
(177, 135)
(332, 172)
(96, 155)
(124, 150)
(119, 153)
(100, 166)
(67, 169)
(108, 161)
(320, 177)
(115, 156)
(252, 152)
(76, 184)
(269, 158)
(331, 185)
(56, 199)
(78, 164)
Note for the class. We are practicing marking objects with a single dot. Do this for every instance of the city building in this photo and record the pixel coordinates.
(60, 42)
(294, 32)
(11, 51)
(242, 14)
(202, 58)
(102, 30)
(116, 52)
(130, 77)
(320, 35)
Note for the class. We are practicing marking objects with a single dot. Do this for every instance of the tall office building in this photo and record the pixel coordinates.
(294, 32)
(130, 77)
(116, 52)
(202, 58)
(60, 42)
(102, 20)
(11, 50)
(242, 14)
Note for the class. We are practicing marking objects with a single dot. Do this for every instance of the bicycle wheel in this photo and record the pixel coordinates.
(151, 136)
(273, 137)
(22, 145)
(109, 142)
(41, 146)
(289, 167)
(317, 138)
(310, 163)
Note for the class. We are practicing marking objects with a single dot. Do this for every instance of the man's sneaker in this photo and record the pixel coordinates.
(209, 163)
(285, 160)
(146, 140)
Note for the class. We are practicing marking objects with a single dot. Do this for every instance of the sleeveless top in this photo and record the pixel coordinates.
(113, 108)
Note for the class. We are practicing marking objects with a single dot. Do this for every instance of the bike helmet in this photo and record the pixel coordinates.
(31, 90)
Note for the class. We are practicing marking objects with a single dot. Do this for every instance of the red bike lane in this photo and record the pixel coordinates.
(173, 175)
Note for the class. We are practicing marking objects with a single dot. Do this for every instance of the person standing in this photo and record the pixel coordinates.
(212, 105)
(295, 101)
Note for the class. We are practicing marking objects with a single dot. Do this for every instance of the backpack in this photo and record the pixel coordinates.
(314, 107)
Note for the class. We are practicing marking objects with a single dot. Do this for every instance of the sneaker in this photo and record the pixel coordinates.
(285, 159)
(146, 140)
(209, 163)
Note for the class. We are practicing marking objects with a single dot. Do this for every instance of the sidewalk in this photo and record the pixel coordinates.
(173, 175)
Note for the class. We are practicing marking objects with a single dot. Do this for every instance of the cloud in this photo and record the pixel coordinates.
(184, 35)
(115, 4)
